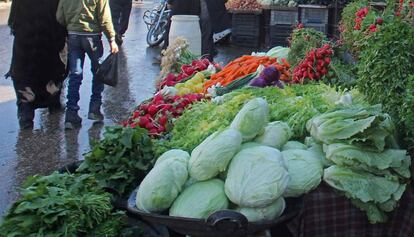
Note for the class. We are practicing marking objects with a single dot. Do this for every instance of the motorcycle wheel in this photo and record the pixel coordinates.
(155, 35)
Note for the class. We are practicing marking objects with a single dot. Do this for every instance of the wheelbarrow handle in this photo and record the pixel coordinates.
(238, 220)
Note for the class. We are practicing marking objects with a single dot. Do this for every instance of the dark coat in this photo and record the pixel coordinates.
(38, 39)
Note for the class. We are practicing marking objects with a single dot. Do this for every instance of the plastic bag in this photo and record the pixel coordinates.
(108, 71)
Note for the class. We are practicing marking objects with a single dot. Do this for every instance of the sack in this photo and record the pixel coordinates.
(108, 71)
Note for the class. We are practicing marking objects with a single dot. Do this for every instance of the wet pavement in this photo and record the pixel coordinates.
(48, 146)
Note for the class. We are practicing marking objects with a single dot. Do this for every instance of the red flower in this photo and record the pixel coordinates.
(379, 21)
(373, 28)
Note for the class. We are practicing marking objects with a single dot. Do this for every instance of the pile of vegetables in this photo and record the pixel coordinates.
(194, 85)
(358, 21)
(121, 159)
(244, 66)
(156, 115)
(243, 5)
(314, 66)
(63, 205)
(303, 40)
(176, 55)
(288, 3)
(186, 71)
(295, 104)
(390, 82)
(191, 185)
(367, 165)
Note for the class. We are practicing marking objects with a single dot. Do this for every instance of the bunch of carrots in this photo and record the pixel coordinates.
(245, 65)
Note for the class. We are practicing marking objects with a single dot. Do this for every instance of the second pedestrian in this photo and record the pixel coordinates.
(85, 21)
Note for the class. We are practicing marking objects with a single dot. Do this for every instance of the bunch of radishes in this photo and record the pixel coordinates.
(186, 71)
(359, 17)
(314, 66)
(156, 115)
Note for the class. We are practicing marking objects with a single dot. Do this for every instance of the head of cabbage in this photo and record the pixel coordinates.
(257, 176)
(305, 171)
(213, 155)
(252, 118)
(200, 200)
(266, 213)
(174, 153)
(293, 145)
(162, 185)
(276, 134)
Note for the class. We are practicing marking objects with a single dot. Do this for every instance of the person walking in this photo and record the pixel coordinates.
(38, 65)
(120, 11)
(85, 21)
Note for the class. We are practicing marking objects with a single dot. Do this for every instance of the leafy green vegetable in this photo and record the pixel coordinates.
(214, 154)
(252, 118)
(359, 125)
(373, 193)
(304, 40)
(355, 39)
(343, 74)
(294, 105)
(351, 156)
(116, 226)
(200, 200)
(162, 185)
(385, 74)
(256, 177)
(276, 135)
(171, 154)
(121, 159)
(267, 213)
(305, 172)
(58, 205)
(294, 145)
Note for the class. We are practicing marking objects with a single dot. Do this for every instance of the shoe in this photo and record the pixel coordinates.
(26, 124)
(95, 112)
(72, 120)
(25, 114)
(118, 39)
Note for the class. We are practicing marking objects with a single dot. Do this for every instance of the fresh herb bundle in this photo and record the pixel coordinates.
(57, 205)
(121, 159)
(385, 74)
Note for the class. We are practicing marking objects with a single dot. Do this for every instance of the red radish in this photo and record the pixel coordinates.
(136, 114)
(161, 129)
(152, 109)
(163, 120)
(153, 131)
(327, 60)
(143, 121)
(143, 107)
(149, 126)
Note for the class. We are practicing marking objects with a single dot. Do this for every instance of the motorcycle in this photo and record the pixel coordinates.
(156, 20)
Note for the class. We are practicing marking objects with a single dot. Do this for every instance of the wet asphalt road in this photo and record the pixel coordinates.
(48, 146)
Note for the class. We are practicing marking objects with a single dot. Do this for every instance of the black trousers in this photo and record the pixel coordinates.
(120, 11)
(207, 43)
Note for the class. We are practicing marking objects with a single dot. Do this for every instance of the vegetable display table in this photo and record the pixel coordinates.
(328, 214)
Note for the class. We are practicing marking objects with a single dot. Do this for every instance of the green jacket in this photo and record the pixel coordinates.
(86, 16)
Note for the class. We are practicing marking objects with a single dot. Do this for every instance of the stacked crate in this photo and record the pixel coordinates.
(315, 16)
(246, 29)
(281, 25)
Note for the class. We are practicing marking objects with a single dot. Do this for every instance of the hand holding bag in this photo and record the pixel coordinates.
(108, 71)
